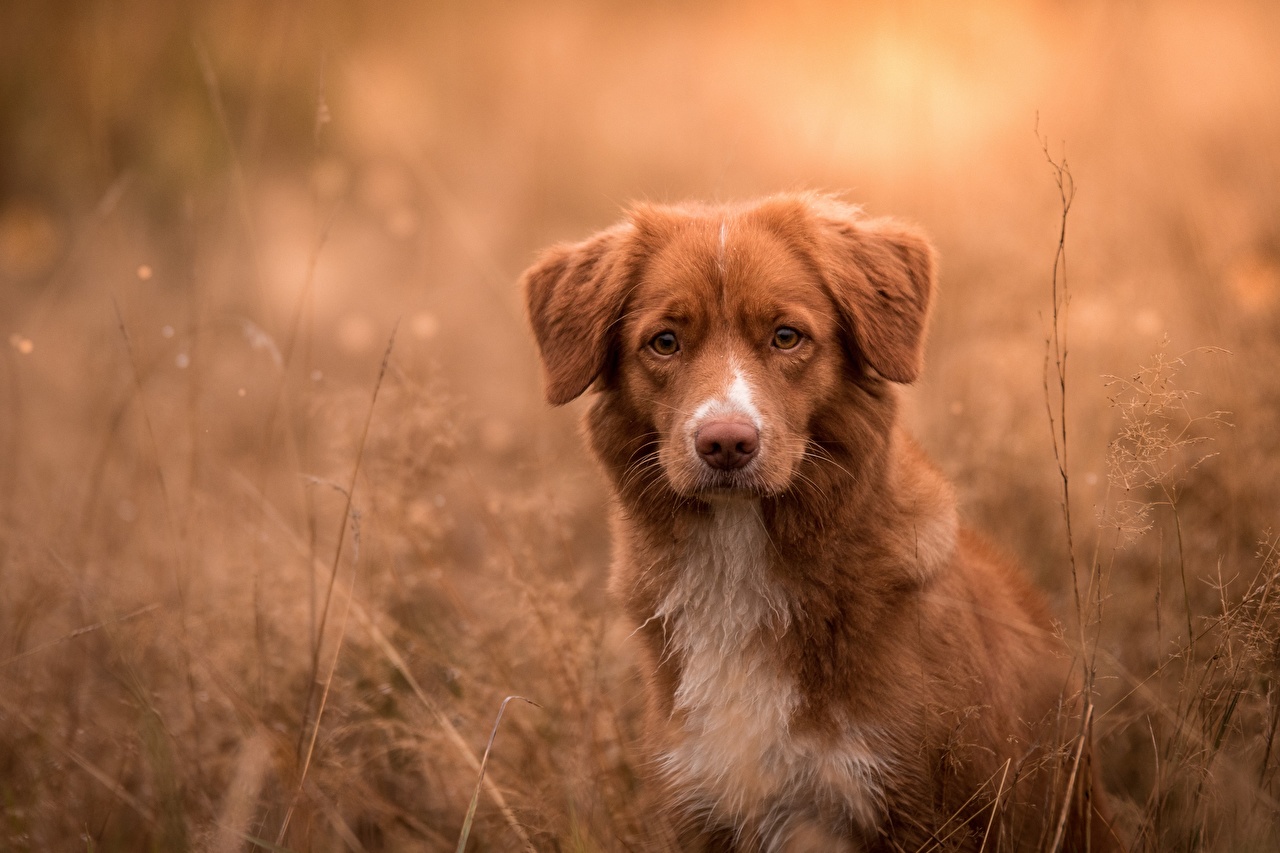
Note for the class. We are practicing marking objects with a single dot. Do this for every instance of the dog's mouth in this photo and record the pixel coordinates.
(742, 483)
(729, 491)
(692, 479)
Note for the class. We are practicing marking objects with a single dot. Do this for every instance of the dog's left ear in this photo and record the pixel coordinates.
(574, 294)
(881, 274)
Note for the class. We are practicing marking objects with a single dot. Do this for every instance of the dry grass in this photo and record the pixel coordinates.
(260, 588)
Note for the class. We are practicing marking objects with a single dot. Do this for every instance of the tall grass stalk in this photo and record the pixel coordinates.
(305, 755)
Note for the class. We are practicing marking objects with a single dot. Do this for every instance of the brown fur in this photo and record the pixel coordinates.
(833, 663)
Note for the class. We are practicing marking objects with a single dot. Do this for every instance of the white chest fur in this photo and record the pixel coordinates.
(729, 748)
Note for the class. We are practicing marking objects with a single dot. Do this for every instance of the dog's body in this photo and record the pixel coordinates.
(835, 664)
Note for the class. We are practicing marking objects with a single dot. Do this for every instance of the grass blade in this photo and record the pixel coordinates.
(484, 763)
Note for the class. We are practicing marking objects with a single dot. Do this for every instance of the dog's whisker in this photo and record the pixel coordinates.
(818, 453)
(636, 468)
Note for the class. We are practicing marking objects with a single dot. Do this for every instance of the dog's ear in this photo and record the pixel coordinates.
(881, 275)
(574, 294)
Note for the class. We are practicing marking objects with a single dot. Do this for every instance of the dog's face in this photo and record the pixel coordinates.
(727, 344)
(723, 332)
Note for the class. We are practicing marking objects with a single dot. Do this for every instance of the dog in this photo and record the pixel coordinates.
(833, 663)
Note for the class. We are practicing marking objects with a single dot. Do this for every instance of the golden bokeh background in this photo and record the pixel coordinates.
(213, 215)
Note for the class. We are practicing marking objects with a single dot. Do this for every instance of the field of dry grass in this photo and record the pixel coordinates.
(283, 517)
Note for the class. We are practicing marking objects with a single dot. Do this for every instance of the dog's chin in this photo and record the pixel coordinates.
(716, 486)
(717, 494)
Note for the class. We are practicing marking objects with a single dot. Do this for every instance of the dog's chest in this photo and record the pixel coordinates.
(729, 746)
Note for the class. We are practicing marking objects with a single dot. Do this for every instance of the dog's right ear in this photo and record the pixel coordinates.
(574, 294)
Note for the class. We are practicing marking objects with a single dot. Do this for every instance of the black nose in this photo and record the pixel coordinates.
(726, 445)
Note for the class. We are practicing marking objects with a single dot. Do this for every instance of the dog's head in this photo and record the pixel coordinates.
(723, 332)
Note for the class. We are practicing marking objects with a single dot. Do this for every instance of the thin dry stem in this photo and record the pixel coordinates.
(333, 579)
(465, 833)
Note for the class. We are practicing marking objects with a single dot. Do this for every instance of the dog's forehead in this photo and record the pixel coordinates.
(728, 265)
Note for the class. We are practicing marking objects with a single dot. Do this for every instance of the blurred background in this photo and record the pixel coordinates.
(245, 605)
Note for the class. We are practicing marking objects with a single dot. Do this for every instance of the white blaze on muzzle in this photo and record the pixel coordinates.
(734, 401)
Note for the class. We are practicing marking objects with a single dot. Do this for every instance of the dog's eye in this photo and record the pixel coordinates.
(665, 343)
(785, 337)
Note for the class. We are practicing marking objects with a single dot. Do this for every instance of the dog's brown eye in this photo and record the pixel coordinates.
(785, 337)
(665, 343)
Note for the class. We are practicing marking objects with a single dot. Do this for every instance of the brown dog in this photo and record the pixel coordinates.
(835, 664)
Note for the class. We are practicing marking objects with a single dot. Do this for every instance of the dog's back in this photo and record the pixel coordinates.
(834, 663)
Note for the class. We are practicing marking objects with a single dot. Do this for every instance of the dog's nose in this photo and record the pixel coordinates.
(727, 445)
